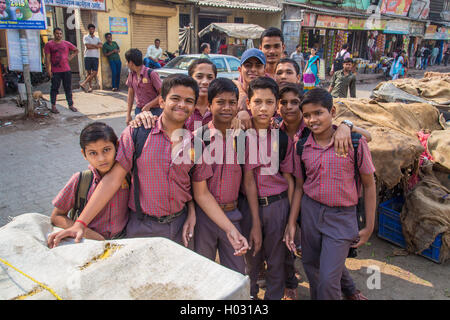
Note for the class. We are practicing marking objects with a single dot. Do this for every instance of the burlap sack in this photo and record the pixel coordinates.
(439, 148)
(426, 214)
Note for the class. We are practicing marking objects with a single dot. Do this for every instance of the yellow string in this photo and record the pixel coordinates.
(34, 280)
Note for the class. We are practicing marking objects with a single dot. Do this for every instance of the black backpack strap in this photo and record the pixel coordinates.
(300, 144)
(284, 142)
(84, 184)
(355, 142)
(140, 136)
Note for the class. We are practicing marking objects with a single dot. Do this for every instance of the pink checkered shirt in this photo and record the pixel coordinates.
(226, 180)
(269, 185)
(330, 179)
(197, 117)
(297, 134)
(113, 217)
(145, 88)
(165, 186)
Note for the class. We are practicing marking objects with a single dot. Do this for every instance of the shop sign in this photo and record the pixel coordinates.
(374, 22)
(395, 7)
(330, 22)
(118, 25)
(430, 32)
(33, 44)
(416, 29)
(309, 20)
(397, 26)
(356, 24)
(419, 9)
(79, 4)
(18, 14)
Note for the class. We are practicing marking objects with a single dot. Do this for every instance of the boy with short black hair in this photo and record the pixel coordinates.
(327, 192)
(163, 175)
(272, 45)
(274, 185)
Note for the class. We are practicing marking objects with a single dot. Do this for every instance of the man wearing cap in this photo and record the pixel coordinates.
(343, 80)
(253, 63)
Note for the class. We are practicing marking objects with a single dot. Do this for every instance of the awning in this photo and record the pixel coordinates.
(238, 5)
(235, 30)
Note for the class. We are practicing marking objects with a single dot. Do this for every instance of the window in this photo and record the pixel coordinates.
(238, 20)
(220, 64)
(234, 64)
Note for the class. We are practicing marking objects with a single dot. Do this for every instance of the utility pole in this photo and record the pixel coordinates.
(29, 107)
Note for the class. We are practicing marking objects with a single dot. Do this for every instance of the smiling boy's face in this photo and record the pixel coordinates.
(286, 73)
(263, 105)
(289, 107)
(224, 107)
(179, 104)
(317, 117)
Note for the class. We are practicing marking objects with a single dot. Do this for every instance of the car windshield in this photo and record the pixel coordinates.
(181, 62)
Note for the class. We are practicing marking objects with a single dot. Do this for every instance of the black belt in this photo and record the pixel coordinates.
(164, 219)
(265, 201)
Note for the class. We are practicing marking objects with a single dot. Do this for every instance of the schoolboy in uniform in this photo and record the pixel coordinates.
(164, 172)
(328, 197)
(274, 188)
(224, 184)
(272, 45)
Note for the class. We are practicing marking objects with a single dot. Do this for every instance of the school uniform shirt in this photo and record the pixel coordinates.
(165, 184)
(267, 183)
(201, 120)
(227, 176)
(330, 179)
(112, 219)
(145, 88)
(297, 134)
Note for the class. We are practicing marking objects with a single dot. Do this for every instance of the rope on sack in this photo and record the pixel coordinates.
(32, 279)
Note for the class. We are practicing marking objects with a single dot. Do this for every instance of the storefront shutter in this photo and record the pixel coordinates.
(146, 29)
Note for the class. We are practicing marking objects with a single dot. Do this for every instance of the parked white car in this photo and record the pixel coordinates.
(227, 66)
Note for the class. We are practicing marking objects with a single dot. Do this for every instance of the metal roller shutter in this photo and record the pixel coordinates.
(146, 29)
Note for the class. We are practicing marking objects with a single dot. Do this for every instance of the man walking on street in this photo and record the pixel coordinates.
(143, 84)
(297, 56)
(111, 51)
(91, 56)
(340, 57)
(57, 63)
(343, 80)
(153, 55)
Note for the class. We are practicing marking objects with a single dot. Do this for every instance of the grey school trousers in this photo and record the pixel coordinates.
(209, 238)
(327, 233)
(273, 219)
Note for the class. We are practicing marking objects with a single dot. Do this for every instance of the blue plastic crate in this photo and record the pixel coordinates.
(390, 228)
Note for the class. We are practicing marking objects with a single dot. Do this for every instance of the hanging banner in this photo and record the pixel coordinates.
(374, 22)
(330, 22)
(430, 32)
(309, 20)
(397, 26)
(356, 24)
(395, 7)
(83, 4)
(22, 14)
(15, 50)
(419, 9)
(417, 29)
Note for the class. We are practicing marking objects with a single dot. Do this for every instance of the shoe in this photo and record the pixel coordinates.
(290, 294)
(357, 296)
(261, 281)
(54, 110)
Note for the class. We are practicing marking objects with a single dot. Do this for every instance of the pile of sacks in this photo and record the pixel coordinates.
(398, 153)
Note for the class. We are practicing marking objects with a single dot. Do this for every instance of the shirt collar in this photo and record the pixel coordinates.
(97, 176)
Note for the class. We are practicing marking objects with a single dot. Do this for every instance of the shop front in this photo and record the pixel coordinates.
(437, 36)
(397, 36)
(416, 34)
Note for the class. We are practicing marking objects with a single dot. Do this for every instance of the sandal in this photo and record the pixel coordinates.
(73, 108)
(54, 110)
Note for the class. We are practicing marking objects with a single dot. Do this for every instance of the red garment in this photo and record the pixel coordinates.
(165, 185)
(227, 175)
(268, 183)
(223, 49)
(111, 219)
(145, 88)
(196, 116)
(330, 179)
(297, 134)
(59, 54)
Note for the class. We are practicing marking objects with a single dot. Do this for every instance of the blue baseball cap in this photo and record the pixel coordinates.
(253, 52)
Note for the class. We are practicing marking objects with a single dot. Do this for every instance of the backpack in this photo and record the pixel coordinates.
(338, 63)
(283, 142)
(355, 142)
(81, 193)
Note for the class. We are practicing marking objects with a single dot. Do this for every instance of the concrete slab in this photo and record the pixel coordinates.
(9, 110)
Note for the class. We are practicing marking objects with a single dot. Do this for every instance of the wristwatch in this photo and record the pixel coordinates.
(349, 124)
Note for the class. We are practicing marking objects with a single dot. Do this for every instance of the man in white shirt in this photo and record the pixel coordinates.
(153, 55)
(35, 7)
(297, 56)
(91, 57)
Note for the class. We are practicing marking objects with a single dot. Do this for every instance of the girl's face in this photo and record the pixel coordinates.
(100, 154)
(313, 51)
(204, 75)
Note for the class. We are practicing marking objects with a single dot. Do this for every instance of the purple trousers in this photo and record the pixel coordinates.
(327, 233)
(273, 219)
(209, 239)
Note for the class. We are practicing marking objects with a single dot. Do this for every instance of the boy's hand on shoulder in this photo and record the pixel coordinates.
(364, 235)
(145, 118)
(245, 119)
(342, 140)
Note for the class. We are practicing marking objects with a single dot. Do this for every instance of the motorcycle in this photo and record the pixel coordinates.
(386, 64)
(169, 56)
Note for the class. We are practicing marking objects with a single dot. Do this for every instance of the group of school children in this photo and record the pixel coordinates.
(140, 184)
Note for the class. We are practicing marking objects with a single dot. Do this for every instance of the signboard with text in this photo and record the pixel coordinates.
(33, 43)
(395, 7)
(330, 22)
(118, 25)
(22, 14)
(83, 4)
